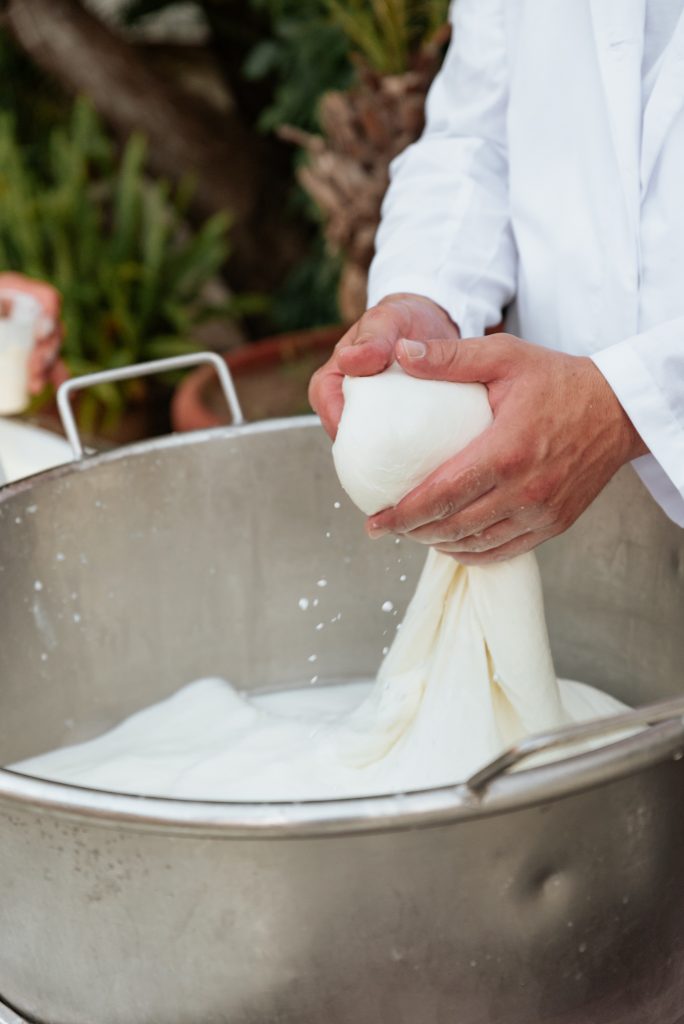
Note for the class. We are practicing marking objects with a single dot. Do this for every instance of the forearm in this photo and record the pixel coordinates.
(445, 231)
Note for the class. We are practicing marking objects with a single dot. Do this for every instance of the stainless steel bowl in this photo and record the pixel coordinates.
(553, 895)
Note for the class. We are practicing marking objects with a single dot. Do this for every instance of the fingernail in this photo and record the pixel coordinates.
(375, 531)
(413, 349)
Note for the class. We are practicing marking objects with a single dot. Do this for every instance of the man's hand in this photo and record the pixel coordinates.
(368, 348)
(44, 355)
(558, 436)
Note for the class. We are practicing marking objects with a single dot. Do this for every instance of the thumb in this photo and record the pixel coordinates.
(470, 360)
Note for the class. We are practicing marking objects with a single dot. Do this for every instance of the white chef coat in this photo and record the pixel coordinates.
(659, 27)
(661, 21)
(539, 178)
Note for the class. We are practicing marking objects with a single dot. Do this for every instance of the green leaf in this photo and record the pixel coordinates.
(132, 272)
(156, 228)
(127, 199)
(263, 59)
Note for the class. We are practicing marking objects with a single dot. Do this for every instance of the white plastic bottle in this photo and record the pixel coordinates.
(19, 316)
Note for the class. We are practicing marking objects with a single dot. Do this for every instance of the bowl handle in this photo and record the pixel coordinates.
(668, 711)
(87, 380)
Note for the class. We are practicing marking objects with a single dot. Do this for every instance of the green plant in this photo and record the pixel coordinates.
(31, 96)
(304, 55)
(278, 57)
(290, 47)
(388, 33)
(297, 51)
(114, 242)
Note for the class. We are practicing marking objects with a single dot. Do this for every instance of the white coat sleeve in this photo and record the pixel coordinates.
(646, 372)
(445, 231)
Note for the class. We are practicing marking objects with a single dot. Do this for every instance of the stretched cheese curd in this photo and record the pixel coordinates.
(469, 673)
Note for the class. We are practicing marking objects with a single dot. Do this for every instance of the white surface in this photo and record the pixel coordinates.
(537, 177)
(25, 450)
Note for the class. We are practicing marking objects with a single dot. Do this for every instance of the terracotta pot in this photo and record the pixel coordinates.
(271, 378)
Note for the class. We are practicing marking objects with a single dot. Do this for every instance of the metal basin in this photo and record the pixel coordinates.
(554, 895)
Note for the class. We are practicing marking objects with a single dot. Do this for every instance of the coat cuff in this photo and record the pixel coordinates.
(646, 403)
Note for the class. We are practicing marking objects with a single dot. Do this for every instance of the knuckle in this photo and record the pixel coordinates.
(313, 393)
(512, 461)
(314, 402)
(373, 319)
(402, 526)
(542, 491)
(501, 342)
(555, 510)
(449, 355)
(315, 384)
(505, 347)
(564, 519)
(444, 508)
(535, 493)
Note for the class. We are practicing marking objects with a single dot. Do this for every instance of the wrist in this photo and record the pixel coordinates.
(635, 444)
(629, 444)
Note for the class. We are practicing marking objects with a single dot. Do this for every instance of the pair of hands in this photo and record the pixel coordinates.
(559, 433)
(43, 360)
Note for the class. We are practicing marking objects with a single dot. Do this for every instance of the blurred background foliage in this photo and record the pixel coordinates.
(132, 280)
(180, 201)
